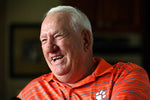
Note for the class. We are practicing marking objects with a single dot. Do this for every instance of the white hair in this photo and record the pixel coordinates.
(78, 18)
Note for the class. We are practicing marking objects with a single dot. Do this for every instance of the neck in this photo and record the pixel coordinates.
(89, 71)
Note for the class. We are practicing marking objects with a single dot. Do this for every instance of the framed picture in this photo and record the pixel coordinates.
(26, 58)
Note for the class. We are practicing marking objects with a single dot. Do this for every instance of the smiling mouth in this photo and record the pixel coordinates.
(57, 58)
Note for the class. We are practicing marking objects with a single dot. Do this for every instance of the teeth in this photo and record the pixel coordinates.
(55, 58)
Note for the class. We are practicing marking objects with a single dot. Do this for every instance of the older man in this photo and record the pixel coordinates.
(66, 38)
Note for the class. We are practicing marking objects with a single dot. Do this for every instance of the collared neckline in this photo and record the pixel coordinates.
(102, 68)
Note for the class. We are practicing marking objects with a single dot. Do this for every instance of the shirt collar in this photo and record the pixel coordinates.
(102, 66)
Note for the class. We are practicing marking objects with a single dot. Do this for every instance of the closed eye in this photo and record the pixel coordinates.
(57, 35)
(43, 40)
(60, 35)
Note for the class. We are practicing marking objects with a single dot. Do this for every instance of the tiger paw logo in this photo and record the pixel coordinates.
(100, 95)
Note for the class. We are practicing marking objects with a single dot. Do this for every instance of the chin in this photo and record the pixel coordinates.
(61, 72)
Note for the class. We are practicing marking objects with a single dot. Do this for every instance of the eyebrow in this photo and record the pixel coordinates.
(47, 32)
(41, 37)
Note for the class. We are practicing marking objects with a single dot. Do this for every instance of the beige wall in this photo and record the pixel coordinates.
(21, 11)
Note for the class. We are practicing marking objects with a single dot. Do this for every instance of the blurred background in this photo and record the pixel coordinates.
(120, 30)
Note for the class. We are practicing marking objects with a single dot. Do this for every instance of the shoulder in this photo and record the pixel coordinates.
(42, 77)
(39, 79)
(130, 79)
(126, 68)
(130, 74)
(124, 71)
(34, 85)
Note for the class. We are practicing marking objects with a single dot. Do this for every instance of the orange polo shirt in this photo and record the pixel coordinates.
(122, 81)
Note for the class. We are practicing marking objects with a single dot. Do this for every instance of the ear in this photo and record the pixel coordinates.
(87, 39)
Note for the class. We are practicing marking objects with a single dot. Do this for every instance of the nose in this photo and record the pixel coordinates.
(51, 47)
(54, 48)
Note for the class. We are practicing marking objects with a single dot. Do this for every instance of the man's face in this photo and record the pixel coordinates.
(62, 47)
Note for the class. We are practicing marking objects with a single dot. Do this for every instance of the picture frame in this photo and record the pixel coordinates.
(26, 58)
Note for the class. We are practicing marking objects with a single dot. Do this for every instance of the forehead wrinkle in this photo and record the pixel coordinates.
(50, 22)
(46, 28)
(55, 20)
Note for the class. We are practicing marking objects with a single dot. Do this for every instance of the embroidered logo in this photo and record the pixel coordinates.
(100, 95)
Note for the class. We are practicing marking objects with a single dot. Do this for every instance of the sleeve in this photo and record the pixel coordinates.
(132, 83)
(29, 89)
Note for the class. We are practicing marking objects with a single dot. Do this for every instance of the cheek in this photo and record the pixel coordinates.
(77, 47)
(44, 50)
(74, 50)
(67, 46)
